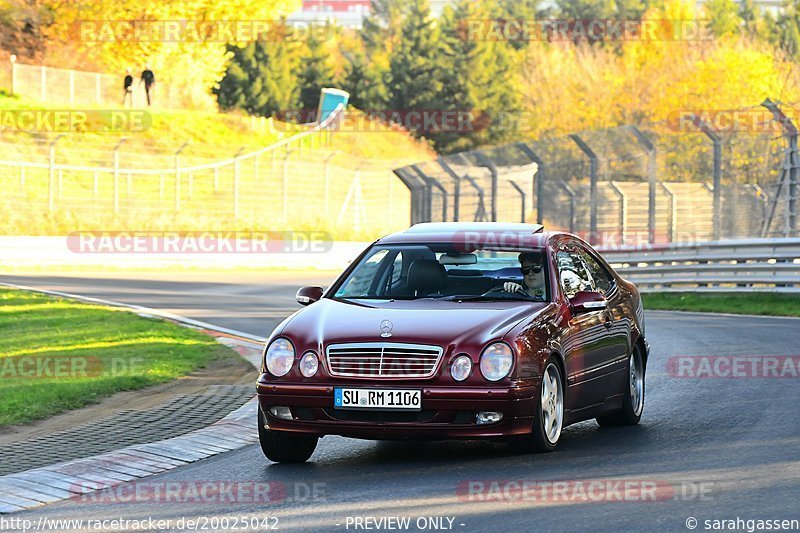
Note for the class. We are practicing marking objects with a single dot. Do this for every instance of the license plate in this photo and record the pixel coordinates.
(394, 399)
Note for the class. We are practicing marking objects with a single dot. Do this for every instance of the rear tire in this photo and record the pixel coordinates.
(633, 401)
(282, 446)
(548, 420)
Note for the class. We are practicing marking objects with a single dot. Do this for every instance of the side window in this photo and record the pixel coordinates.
(361, 280)
(571, 273)
(603, 281)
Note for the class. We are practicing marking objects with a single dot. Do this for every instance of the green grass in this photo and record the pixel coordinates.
(84, 201)
(101, 351)
(737, 303)
(211, 136)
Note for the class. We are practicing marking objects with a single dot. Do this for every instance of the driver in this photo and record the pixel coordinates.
(532, 267)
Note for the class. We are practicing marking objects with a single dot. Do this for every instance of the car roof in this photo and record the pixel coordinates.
(532, 235)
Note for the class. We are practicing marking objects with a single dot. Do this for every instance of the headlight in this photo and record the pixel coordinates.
(309, 364)
(496, 361)
(461, 368)
(280, 357)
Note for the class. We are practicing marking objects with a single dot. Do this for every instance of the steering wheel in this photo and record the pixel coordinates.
(497, 291)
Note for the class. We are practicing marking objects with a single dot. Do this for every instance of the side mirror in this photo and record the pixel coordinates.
(586, 301)
(308, 295)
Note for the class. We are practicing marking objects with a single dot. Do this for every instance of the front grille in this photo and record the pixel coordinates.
(383, 359)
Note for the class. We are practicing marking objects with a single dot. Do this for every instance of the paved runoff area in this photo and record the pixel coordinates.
(132, 445)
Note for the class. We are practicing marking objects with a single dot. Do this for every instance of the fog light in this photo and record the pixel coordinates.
(488, 417)
(280, 412)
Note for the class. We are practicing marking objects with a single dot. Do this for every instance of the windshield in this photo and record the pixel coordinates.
(439, 271)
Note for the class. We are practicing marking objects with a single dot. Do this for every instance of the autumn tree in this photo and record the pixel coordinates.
(189, 65)
(723, 17)
(414, 80)
(261, 77)
(315, 71)
(479, 77)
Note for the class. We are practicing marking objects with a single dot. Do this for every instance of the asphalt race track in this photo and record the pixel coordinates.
(716, 448)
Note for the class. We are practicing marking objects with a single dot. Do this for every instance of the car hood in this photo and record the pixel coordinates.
(441, 323)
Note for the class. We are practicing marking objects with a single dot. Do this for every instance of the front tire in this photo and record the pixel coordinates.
(549, 419)
(282, 446)
(633, 401)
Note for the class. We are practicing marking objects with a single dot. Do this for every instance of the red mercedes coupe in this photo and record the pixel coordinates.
(456, 331)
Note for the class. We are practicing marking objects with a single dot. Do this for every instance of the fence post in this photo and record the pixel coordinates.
(428, 203)
(13, 59)
(178, 176)
(623, 210)
(791, 164)
(652, 168)
(116, 173)
(51, 200)
(480, 212)
(571, 195)
(326, 181)
(98, 90)
(539, 178)
(593, 164)
(43, 83)
(717, 190)
(762, 201)
(417, 193)
(433, 182)
(285, 185)
(456, 187)
(522, 197)
(488, 163)
(22, 179)
(235, 182)
(95, 183)
(673, 209)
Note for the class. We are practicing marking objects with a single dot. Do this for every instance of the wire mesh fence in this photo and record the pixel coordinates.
(665, 182)
(299, 183)
(76, 87)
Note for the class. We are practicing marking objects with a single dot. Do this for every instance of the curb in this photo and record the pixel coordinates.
(70, 479)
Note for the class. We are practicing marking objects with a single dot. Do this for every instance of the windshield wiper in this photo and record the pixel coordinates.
(490, 298)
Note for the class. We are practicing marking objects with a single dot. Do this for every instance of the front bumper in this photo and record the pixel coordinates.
(447, 412)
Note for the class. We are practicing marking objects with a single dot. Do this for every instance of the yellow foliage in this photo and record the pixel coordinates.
(571, 88)
(189, 66)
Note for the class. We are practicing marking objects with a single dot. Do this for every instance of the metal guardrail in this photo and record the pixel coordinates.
(746, 265)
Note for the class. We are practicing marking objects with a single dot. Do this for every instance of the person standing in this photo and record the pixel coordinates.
(149, 80)
(128, 88)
